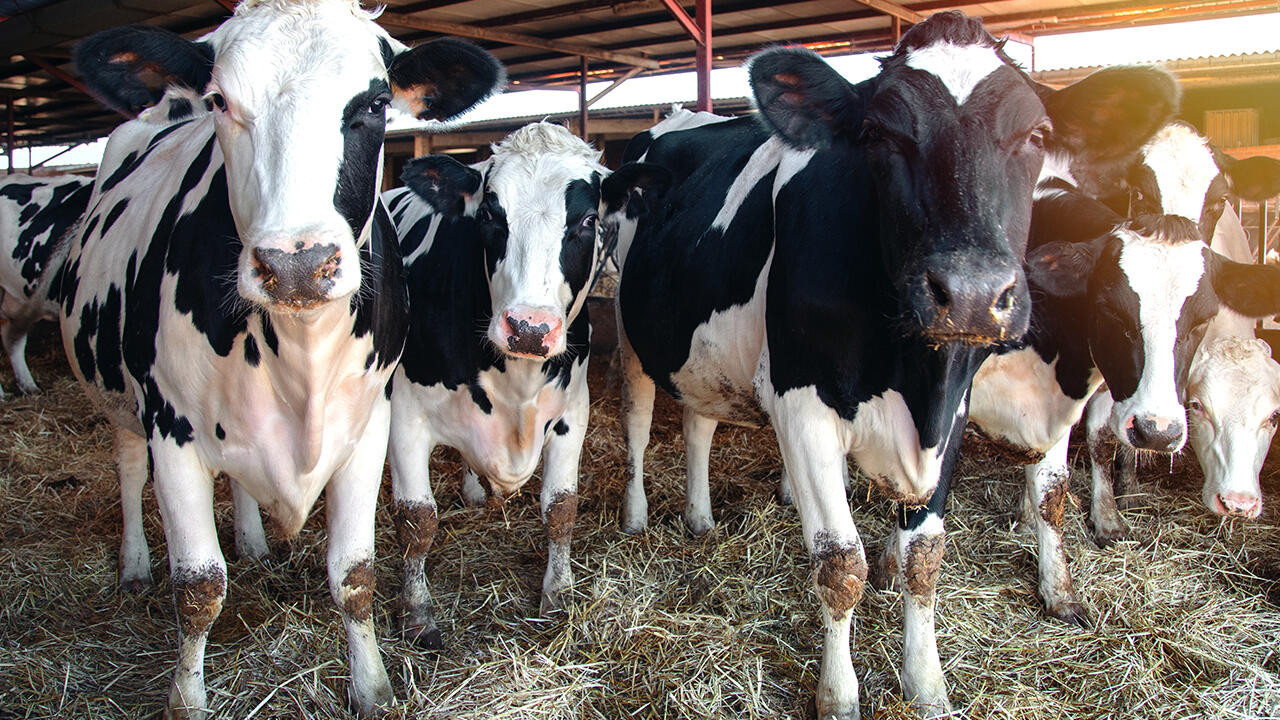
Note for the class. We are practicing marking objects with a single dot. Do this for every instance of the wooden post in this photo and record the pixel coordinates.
(703, 60)
(895, 24)
(582, 101)
(421, 144)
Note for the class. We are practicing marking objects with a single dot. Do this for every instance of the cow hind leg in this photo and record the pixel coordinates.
(131, 468)
(251, 539)
(1044, 504)
(416, 519)
(698, 433)
(18, 322)
(637, 417)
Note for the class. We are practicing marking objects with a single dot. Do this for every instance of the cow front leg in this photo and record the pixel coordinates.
(698, 433)
(415, 515)
(560, 496)
(251, 539)
(184, 492)
(637, 417)
(1044, 504)
(131, 469)
(1104, 516)
(351, 498)
(813, 455)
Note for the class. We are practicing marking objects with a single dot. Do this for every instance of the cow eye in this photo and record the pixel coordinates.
(1274, 420)
(1036, 137)
(379, 105)
(588, 223)
(1195, 406)
(215, 100)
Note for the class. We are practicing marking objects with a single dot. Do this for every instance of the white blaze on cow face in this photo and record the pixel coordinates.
(959, 67)
(1233, 405)
(1177, 174)
(298, 98)
(538, 219)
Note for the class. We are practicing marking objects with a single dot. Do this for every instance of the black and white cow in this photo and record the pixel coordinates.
(499, 258)
(35, 212)
(233, 299)
(1124, 300)
(840, 271)
(1230, 388)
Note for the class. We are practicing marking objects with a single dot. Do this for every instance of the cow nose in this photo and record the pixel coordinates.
(531, 332)
(1241, 504)
(972, 300)
(300, 278)
(1148, 432)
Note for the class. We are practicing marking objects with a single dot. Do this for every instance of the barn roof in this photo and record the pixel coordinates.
(542, 42)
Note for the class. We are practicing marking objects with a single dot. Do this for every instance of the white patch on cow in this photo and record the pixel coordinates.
(959, 67)
(1057, 166)
(1184, 167)
(791, 162)
(681, 119)
(428, 240)
(761, 163)
(1163, 276)
(529, 172)
(884, 442)
(1231, 241)
(1016, 397)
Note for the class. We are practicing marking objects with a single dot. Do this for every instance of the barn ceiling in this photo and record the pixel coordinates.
(541, 41)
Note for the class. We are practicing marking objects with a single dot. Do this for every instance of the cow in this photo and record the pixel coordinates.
(35, 212)
(233, 299)
(839, 269)
(1126, 303)
(499, 257)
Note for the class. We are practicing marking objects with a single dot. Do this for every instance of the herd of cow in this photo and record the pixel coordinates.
(868, 268)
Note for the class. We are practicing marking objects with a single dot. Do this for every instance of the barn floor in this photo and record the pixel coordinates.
(1186, 616)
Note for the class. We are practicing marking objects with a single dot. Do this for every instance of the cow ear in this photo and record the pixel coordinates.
(1061, 269)
(446, 184)
(636, 187)
(128, 68)
(1256, 178)
(1114, 111)
(1251, 290)
(444, 78)
(801, 98)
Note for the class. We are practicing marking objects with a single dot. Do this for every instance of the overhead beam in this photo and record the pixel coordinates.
(612, 86)
(699, 28)
(893, 9)
(510, 38)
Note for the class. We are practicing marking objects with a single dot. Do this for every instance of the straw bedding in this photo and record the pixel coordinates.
(1186, 616)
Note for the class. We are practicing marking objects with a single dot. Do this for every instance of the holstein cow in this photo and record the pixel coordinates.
(1230, 386)
(35, 212)
(1126, 302)
(234, 300)
(499, 257)
(840, 272)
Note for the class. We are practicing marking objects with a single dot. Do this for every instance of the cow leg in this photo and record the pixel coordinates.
(1127, 493)
(251, 539)
(1044, 503)
(184, 492)
(473, 492)
(1108, 527)
(560, 497)
(785, 496)
(351, 498)
(415, 517)
(813, 455)
(131, 469)
(13, 335)
(637, 416)
(698, 433)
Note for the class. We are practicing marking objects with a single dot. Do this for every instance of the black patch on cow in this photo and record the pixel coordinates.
(369, 359)
(251, 354)
(445, 77)
(218, 432)
(382, 304)
(179, 108)
(20, 192)
(578, 248)
(388, 53)
(442, 182)
(128, 68)
(67, 202)
(562, 427)
(269, 333)
(114, 215)
(364, 123)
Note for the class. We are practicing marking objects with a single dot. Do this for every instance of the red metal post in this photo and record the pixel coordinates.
(582, 100)
(703, 48)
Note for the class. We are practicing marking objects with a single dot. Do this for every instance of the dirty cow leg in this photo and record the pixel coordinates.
(351, 496)
(251, 539)
(560, 497)
(698, 432)
(637, 416)
(131, 467)
(918, 544)
(814, 454)
(415, 517)
(184, 492)
(473, 492)
(1104, 516)
(20, 316)
(1044, 503)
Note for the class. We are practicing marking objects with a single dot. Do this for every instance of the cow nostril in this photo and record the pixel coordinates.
(329, 269)
(937, 290)
(1004, 303)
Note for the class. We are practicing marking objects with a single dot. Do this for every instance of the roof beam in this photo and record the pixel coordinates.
(510, 38)
(893, 9)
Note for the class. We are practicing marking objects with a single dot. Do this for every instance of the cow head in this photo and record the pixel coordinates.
(952, 132)
(1149, 289)
(535, 203)
(297, 95)
(1233, 405)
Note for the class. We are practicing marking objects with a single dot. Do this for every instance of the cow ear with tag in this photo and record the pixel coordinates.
(1061, 269)
(801, 98)
(1251, 290)
(444, 78)
(128, 68)
(1255, 179)
(446, 184)
(636, 187)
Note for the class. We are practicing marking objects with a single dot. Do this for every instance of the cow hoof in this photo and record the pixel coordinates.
(426, 638)
(813, 711)
(1106, 534)
(377, 706)
(1071, 613)
(184, 713)
(634, 523)
(699, 525)
(135, 585)
(28, 390)
(552, 603)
